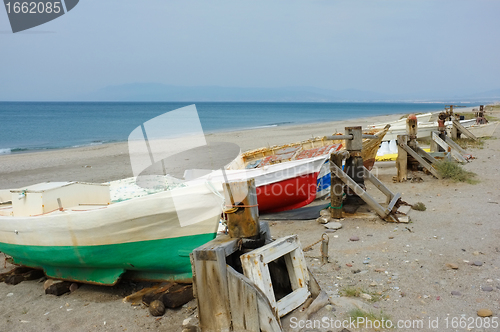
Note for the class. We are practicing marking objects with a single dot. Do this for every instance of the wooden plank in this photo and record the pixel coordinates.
(379, 185)
(454, 145)
(421, 161)
(292, 301)
(393, 202)
(447, 147)
(425, 155)
(464, 130)
(336, 189)
(268, 316)
(280, 247)
(402, 160)
(211, 286)
(243, 302)
(358, 191)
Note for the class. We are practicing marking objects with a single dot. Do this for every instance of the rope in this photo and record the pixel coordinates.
(312, 245)
(234, 208)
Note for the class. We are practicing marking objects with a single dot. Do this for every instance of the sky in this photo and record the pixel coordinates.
(384, 46)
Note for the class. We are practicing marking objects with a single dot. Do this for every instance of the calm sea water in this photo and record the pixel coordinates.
(37, 125)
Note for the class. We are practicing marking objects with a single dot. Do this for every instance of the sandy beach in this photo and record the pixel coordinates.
(404, 264)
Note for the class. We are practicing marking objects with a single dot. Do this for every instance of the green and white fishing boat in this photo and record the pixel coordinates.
(98, 233)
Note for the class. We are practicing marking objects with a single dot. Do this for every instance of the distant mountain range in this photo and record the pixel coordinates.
(162, 92)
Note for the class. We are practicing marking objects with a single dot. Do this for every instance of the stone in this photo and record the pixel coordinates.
(73, 287)
(380, 270)
(333, 225)
(354, 238)
(349, 265)
(391, 237)
(374, 284)
(452, 266)
(477, 263)
(487, 288)
(484, 313)
(476, 253)
(356, 271)
(365, 296)
(157, 308)
(456, 293)
(323, 220)
(324, 213)
(366, 261)
(376, 305)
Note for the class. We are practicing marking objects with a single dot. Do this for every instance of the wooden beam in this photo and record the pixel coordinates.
(358, 190)
(454, 153)
(212, 291)
(454, 145)
(426, 155)
(336, 189)
(463, 130)
(377, 183)
(421, 160)
(402, 159)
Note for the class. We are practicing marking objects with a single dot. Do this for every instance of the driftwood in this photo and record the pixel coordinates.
(155, 294)
(20, 274)
(176, 297)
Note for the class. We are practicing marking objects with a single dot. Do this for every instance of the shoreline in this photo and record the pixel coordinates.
(110, 161)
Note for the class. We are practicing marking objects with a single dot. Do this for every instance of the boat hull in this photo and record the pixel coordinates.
(147, 238)
(163, 259)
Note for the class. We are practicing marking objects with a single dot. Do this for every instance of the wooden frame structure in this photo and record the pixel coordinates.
(255, 267)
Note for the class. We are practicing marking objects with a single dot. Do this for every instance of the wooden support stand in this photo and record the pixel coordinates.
(243, 215)
(458, 129)
(336, 188)
(453, 148)
(392, 199)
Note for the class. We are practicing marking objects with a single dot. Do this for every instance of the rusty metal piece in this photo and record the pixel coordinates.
(243, 221)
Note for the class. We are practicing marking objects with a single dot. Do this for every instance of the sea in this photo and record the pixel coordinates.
(31, 126)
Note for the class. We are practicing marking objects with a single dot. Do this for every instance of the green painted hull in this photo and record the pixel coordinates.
(164, 259)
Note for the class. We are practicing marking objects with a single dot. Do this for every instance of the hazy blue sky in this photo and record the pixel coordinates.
(382, 46)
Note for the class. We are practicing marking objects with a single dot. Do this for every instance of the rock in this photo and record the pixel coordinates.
(366, 261)
(356, 271)
(487, 288)
(452, 266)
(14, 279)
(380, 270)
(376, 305)
(324, 213)
(456, 293)
(477, 263)
(349, 265)
(374, 284)
(365, 296)
(73, 287)
(323, 220)
(354, 238)
(391, 237)
(476, 253)
(156, 308)
(329, 307)
(58, 288)
(333, 225)
(484, 312)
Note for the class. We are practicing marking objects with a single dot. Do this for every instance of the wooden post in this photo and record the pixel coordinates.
(402, 160)
(336, 188)
(211, 285)
(242, 221)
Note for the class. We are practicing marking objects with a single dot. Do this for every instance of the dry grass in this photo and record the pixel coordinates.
(466, 142)
(455, 172)
(419, 206)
